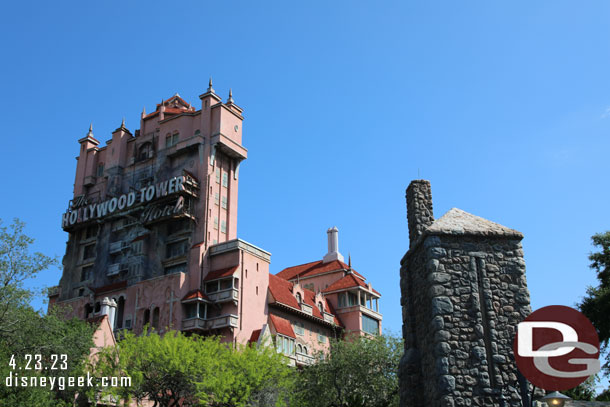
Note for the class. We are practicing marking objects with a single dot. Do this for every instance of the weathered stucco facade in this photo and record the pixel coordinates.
(152, 240)
(463, 292)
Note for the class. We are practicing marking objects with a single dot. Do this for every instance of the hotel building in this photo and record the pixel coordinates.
(153, 241)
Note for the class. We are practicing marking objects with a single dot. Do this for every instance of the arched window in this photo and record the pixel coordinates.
(146, 316)
(88, 310)
(304, 350)
(299, 349)
(120, 311)
(299, 299)
(155, 318)
(98, 307)
(320, 306)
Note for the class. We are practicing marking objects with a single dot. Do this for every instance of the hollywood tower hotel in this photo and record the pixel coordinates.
(153, 240)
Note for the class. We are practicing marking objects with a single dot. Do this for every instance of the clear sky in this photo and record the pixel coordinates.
(503, 106)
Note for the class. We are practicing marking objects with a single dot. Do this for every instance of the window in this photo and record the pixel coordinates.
(342, 299)
(212, 287)
(146, 317)
(89, 251)
(100, 170)
(178, 268)
(120, 312)
(299, 299)
(86, 273)
(215, 224)
(224, 202)
(321, 337)
(176, 249)
(223, 226)
(190, 310)
(321, 307)
(352, 299)
(225, 179)
(98, 307)
(216, 198)
(88, 310)
(91, 232)
(145, 151)
(362, 299)
(217, 176)
(299, 328)
(171, 140)
(370, 325)
(155, 318)
(136, 247)
(284, 345)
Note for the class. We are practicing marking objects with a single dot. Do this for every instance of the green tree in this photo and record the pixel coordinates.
(358, 372)
(175, 369)
(24, 331)
(596, 303)
(584, 391)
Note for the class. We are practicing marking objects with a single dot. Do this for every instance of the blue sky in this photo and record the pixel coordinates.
(503, 106)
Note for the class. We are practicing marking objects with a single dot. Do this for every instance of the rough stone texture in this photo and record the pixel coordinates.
(419, 208)
(463, 293)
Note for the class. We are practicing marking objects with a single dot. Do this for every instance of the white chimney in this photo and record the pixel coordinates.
(106, 306)
(112, 313)
(333, 246)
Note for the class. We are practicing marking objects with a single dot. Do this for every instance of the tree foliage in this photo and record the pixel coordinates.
(358, 372)
(175, 369)
(596, 303)
(24, 331)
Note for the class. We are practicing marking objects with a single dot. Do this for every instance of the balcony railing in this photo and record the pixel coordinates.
(116, 247)
(330, 318)
(306, 308)
(230, 294)
(222, 321)
(305, 359)
(114, 269)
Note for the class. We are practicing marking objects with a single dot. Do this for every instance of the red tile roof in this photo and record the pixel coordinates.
(282, 326)
(254, 336)
(214, 275)
(314, 268)
(96, 320)
(349, 281)
(194, 294)
(282, 292)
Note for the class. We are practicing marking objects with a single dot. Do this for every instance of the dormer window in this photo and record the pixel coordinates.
(321, 306)
(299, 299)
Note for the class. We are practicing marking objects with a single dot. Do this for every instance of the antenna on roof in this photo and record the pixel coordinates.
(349, 260)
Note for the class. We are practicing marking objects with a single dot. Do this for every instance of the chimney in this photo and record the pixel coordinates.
(333, 246)
(112, 313)
(419, 208)
(106, 307)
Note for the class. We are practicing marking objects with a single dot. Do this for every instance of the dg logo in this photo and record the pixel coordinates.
(556, 348)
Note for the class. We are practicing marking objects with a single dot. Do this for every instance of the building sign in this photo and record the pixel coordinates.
(87, 211)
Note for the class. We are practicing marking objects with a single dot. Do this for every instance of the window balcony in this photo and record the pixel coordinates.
(116, 268)
(223, 321)
(330, 318)
(119, 246)
(306, 308)
(230, 294)
(305, 359)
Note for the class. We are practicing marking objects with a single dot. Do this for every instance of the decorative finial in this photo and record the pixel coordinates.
(230, 96)
(123, 122)
(90, 133)
(210, 89)
(144, 110)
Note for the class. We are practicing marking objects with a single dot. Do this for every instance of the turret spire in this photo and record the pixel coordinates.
(230, 96)
(210, 88)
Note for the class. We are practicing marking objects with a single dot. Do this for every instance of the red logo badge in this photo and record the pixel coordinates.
(556, 348)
